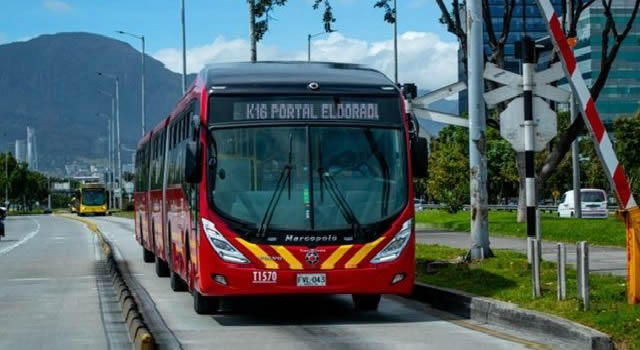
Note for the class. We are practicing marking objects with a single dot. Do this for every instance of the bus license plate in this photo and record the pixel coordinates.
(311, 280)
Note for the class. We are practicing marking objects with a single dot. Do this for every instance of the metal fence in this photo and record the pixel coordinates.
(506, 207)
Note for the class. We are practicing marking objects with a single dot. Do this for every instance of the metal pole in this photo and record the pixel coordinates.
(308, 47)
(561, 273)
(395, 40)
(583, 273)
(112, 151)
(6, 185)
(528, 69)
(477, 126)
(49, 193)
(143, 102)
(184, 53)
(575, 145)
(118, 142)
(535, 272)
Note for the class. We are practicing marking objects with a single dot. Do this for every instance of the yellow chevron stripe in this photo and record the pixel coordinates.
(330, 263)
(362, 253)
(259, 253)
(294, 264)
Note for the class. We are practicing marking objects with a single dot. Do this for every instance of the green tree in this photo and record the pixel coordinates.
(627, 143)
(448, 181)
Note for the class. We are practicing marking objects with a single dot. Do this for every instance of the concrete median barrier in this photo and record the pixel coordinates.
(139, 333)
(510, 316)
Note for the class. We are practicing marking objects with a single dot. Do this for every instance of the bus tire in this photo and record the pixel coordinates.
(366, 302)
(176, 282)
(162, 268)
(205, 305)
(147, 255)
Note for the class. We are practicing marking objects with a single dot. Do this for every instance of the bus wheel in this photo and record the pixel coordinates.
(366, 302)
(177, 283)
(162, 268)
(205, 305)
(147, 255)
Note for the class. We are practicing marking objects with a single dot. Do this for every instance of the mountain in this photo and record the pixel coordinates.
(50, 83)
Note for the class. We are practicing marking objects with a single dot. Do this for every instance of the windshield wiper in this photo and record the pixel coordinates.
(338, 197)
(373, 145)
(285, 175)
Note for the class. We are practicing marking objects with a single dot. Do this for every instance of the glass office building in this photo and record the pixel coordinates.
(621, 93)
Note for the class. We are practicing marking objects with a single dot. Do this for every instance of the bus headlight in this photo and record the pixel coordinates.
(226, 251)
(394, 248)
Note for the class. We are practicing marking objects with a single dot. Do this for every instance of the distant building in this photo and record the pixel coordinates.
(21, 151)
(536, 28)
(621, 94)
(32, 149)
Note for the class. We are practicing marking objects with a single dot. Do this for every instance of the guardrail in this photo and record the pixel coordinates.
(506, 207)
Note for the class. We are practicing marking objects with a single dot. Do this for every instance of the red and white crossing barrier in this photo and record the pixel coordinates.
(604, 147)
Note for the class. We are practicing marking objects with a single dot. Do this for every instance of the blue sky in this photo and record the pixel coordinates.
(217, 29)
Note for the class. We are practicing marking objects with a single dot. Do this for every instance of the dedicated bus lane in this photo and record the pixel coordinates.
(287, 322)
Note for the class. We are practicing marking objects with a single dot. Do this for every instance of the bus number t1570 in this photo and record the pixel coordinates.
(265, 276)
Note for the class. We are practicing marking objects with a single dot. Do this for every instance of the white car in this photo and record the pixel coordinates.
(594, 204)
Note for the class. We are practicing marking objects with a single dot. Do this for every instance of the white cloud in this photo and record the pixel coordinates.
(3, 38)
(423, 57)
(58, 6)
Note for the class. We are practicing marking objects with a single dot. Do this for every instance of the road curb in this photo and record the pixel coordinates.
(504, 314)
(139, 333)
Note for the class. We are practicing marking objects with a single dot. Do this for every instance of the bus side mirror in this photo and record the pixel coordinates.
(192, 168)
(420, 157)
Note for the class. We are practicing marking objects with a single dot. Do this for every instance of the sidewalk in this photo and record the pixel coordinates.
(601, 259)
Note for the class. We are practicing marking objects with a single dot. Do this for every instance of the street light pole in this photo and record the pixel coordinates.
(141, 38)
(395, 40)
(109, 149)
(112, 165)
(309, 36)
(117, 80)
(184, 53)
(6, 184)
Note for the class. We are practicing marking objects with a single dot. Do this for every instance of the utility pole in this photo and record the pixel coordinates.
(252, 31)
(477, 127)
(184, 55)
(395, 40)
(575, 145)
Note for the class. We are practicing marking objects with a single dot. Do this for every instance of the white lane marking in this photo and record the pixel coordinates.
(29, 279)
(37, 279)
(23, 240)
(57, 238)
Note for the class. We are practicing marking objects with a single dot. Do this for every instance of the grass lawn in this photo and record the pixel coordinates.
(123, 214)
(506, 277)
(609, 231)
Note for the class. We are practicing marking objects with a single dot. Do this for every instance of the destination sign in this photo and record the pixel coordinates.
(305, 111)
(374, 110)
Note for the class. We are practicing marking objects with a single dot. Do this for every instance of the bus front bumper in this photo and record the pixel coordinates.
(392, 278)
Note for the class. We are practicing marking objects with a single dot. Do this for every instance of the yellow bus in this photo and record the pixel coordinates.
(92, 199)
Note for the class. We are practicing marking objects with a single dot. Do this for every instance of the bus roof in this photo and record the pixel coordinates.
(295, 74)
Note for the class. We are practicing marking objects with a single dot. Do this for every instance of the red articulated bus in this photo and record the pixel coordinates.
(277, 178)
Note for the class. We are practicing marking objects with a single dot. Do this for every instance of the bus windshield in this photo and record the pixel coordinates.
(309, 177)
(93, 197)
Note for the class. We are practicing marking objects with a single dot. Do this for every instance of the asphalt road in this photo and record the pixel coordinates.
(291, 322)
(601, 259)
(54, 290)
